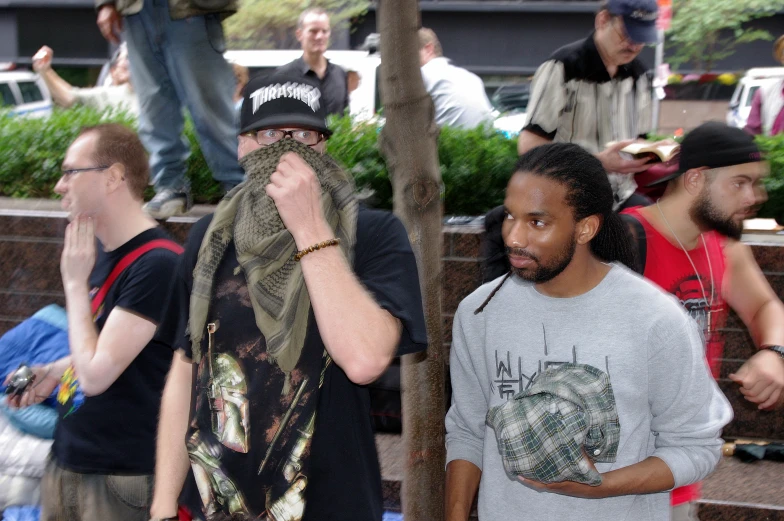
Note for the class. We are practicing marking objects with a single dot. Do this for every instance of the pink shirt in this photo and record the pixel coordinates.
(754, 123)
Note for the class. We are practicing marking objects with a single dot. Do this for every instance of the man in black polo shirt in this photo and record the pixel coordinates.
(313, 34)
(595, 91)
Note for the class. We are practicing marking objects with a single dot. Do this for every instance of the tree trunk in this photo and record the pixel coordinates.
(408, 142)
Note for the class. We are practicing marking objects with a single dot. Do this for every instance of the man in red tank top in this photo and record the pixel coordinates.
(689, 244)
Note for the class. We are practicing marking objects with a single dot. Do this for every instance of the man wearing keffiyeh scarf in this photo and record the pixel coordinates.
(274, 261)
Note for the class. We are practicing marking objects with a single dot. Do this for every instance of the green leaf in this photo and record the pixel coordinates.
(270, 24)
(698, 27)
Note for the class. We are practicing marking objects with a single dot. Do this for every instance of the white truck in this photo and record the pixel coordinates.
(24, 94)
(740, 104)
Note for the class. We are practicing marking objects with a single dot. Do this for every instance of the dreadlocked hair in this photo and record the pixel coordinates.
(588, 192)
(492, 294)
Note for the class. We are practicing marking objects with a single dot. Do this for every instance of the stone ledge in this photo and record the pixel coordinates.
(31, 234)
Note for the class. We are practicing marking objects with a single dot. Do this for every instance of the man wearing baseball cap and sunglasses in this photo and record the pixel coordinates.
(289, 299)
(595, 91)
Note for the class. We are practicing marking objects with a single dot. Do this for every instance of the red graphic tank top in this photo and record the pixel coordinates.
(668, 266)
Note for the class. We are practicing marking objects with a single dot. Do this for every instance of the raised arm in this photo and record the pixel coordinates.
(99, 359)
(62, 92)
(360, 335)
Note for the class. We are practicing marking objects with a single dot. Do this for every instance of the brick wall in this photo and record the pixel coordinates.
(31, 243)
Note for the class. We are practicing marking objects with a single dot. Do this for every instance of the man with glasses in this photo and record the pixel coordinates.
(595, 91)
(115, 291)
(288, 301)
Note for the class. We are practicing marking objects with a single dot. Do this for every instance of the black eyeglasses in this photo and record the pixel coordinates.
(271, 135)
(72, 171)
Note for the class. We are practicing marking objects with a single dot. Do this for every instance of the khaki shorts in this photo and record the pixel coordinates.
(72, 496)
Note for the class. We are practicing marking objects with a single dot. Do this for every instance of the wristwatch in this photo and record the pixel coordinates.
(777, 349)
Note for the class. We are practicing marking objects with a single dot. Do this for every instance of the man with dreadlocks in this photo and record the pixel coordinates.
(568, 303)
(290, 298)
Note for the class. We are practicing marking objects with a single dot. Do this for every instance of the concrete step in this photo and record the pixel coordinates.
(740, 491)
(736, 491)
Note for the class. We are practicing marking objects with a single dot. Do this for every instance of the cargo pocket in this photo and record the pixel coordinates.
(133, 491)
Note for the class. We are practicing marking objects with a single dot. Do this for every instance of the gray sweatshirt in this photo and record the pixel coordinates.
(668, 404)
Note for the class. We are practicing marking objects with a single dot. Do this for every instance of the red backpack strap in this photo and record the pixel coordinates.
(126, 261)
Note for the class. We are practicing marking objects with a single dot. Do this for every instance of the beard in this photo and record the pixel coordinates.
(545, 272)
(708, 217)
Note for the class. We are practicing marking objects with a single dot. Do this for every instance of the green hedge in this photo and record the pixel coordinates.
(475, 164)
(773, 147)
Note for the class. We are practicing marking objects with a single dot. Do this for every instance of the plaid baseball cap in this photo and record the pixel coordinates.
(545, 432)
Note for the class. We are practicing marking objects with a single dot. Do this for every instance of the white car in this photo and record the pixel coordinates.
(511, 105)
(740, 104)
(25, 94)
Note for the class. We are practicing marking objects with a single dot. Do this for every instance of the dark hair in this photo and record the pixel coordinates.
(116, 143)
(588, 192)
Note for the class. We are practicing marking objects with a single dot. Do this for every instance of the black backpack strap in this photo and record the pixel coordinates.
(638, 234)
(492, 249)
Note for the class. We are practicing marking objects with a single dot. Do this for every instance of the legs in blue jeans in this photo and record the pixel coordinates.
(178, 64)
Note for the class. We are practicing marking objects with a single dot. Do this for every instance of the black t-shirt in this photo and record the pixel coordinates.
(114, 432)
(343, 478)
(333, 86)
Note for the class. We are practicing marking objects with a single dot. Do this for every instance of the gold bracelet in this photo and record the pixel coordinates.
(310, 249)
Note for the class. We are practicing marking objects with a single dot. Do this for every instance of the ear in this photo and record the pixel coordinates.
(299, 34)
(115, 175)
(587, 229)
(603, 17)
(694, 180)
